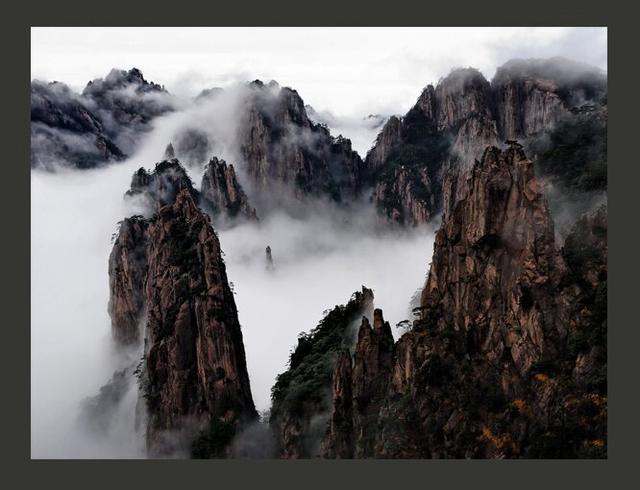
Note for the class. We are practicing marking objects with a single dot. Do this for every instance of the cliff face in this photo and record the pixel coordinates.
(406, 197)
(532, 95)
(283, 147)
(168, 272)
(507, 358)
(196, 363)
(127, 274)
(301, 397)
(222, 190)
(100, 125)
(556, 108)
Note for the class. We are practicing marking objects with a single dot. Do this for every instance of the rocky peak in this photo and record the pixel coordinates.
(461, 94)
(427, 102)
(168, 274)
(302, 395)
(161, 186)
(499, 236)
(169, 152)
(120, 79)
(196, 364)
(387, 138)
(221, 189)
(285, 150)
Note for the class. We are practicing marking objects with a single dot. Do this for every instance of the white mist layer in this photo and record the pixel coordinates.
(318, 265)
(73, 215)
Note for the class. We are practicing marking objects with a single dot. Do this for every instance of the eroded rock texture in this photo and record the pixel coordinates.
(167, 273)
(556, 108)
(508, 356)
(196, 363)
(222, 190)
(283, 147)
(301, 397)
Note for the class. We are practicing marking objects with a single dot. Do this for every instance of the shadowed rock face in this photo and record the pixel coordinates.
(127, 275)
(196, 363)
(222, 190)
(301, 397)
(65, 131)
(167, 273)
(448, 129)
(282, 146)
(99, 126)
(161, 186)
(508, 358)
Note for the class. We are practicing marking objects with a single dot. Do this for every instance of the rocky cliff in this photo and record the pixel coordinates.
(222, 190)
(167, 273)
(507, 357)
(301, 397)
(556, 108)
(284, 149)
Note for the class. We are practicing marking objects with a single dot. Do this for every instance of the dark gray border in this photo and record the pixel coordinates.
(623, 237)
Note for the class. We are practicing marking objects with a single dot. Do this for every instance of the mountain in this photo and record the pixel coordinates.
(222, 190)
(167, 273)
(283, 148)
(301, 397)
(557, 108)
(101, 125)
(507, 357)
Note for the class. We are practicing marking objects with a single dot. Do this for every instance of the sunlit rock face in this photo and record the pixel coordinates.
(167, 273)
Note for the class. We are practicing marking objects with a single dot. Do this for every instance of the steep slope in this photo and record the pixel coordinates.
(556, 108)
(284, 149)
(167, 273)
(222, 190)
(507, 358)
(301, 399)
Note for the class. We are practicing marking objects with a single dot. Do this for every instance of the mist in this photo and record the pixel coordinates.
(320, 256)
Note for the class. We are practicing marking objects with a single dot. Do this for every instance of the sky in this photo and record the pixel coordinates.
(351, 72)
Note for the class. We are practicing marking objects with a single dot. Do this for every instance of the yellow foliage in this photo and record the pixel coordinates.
(541, 377)
(519, 404)
(497, 441)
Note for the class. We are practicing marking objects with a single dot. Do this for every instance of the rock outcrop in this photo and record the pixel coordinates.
(160, 187)
(508, 357)
(65, 131)
(195, 363)
(220, 188)
(301, 397)
(167, 273)
(127, 275)
(556, 108)
(284, 148)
